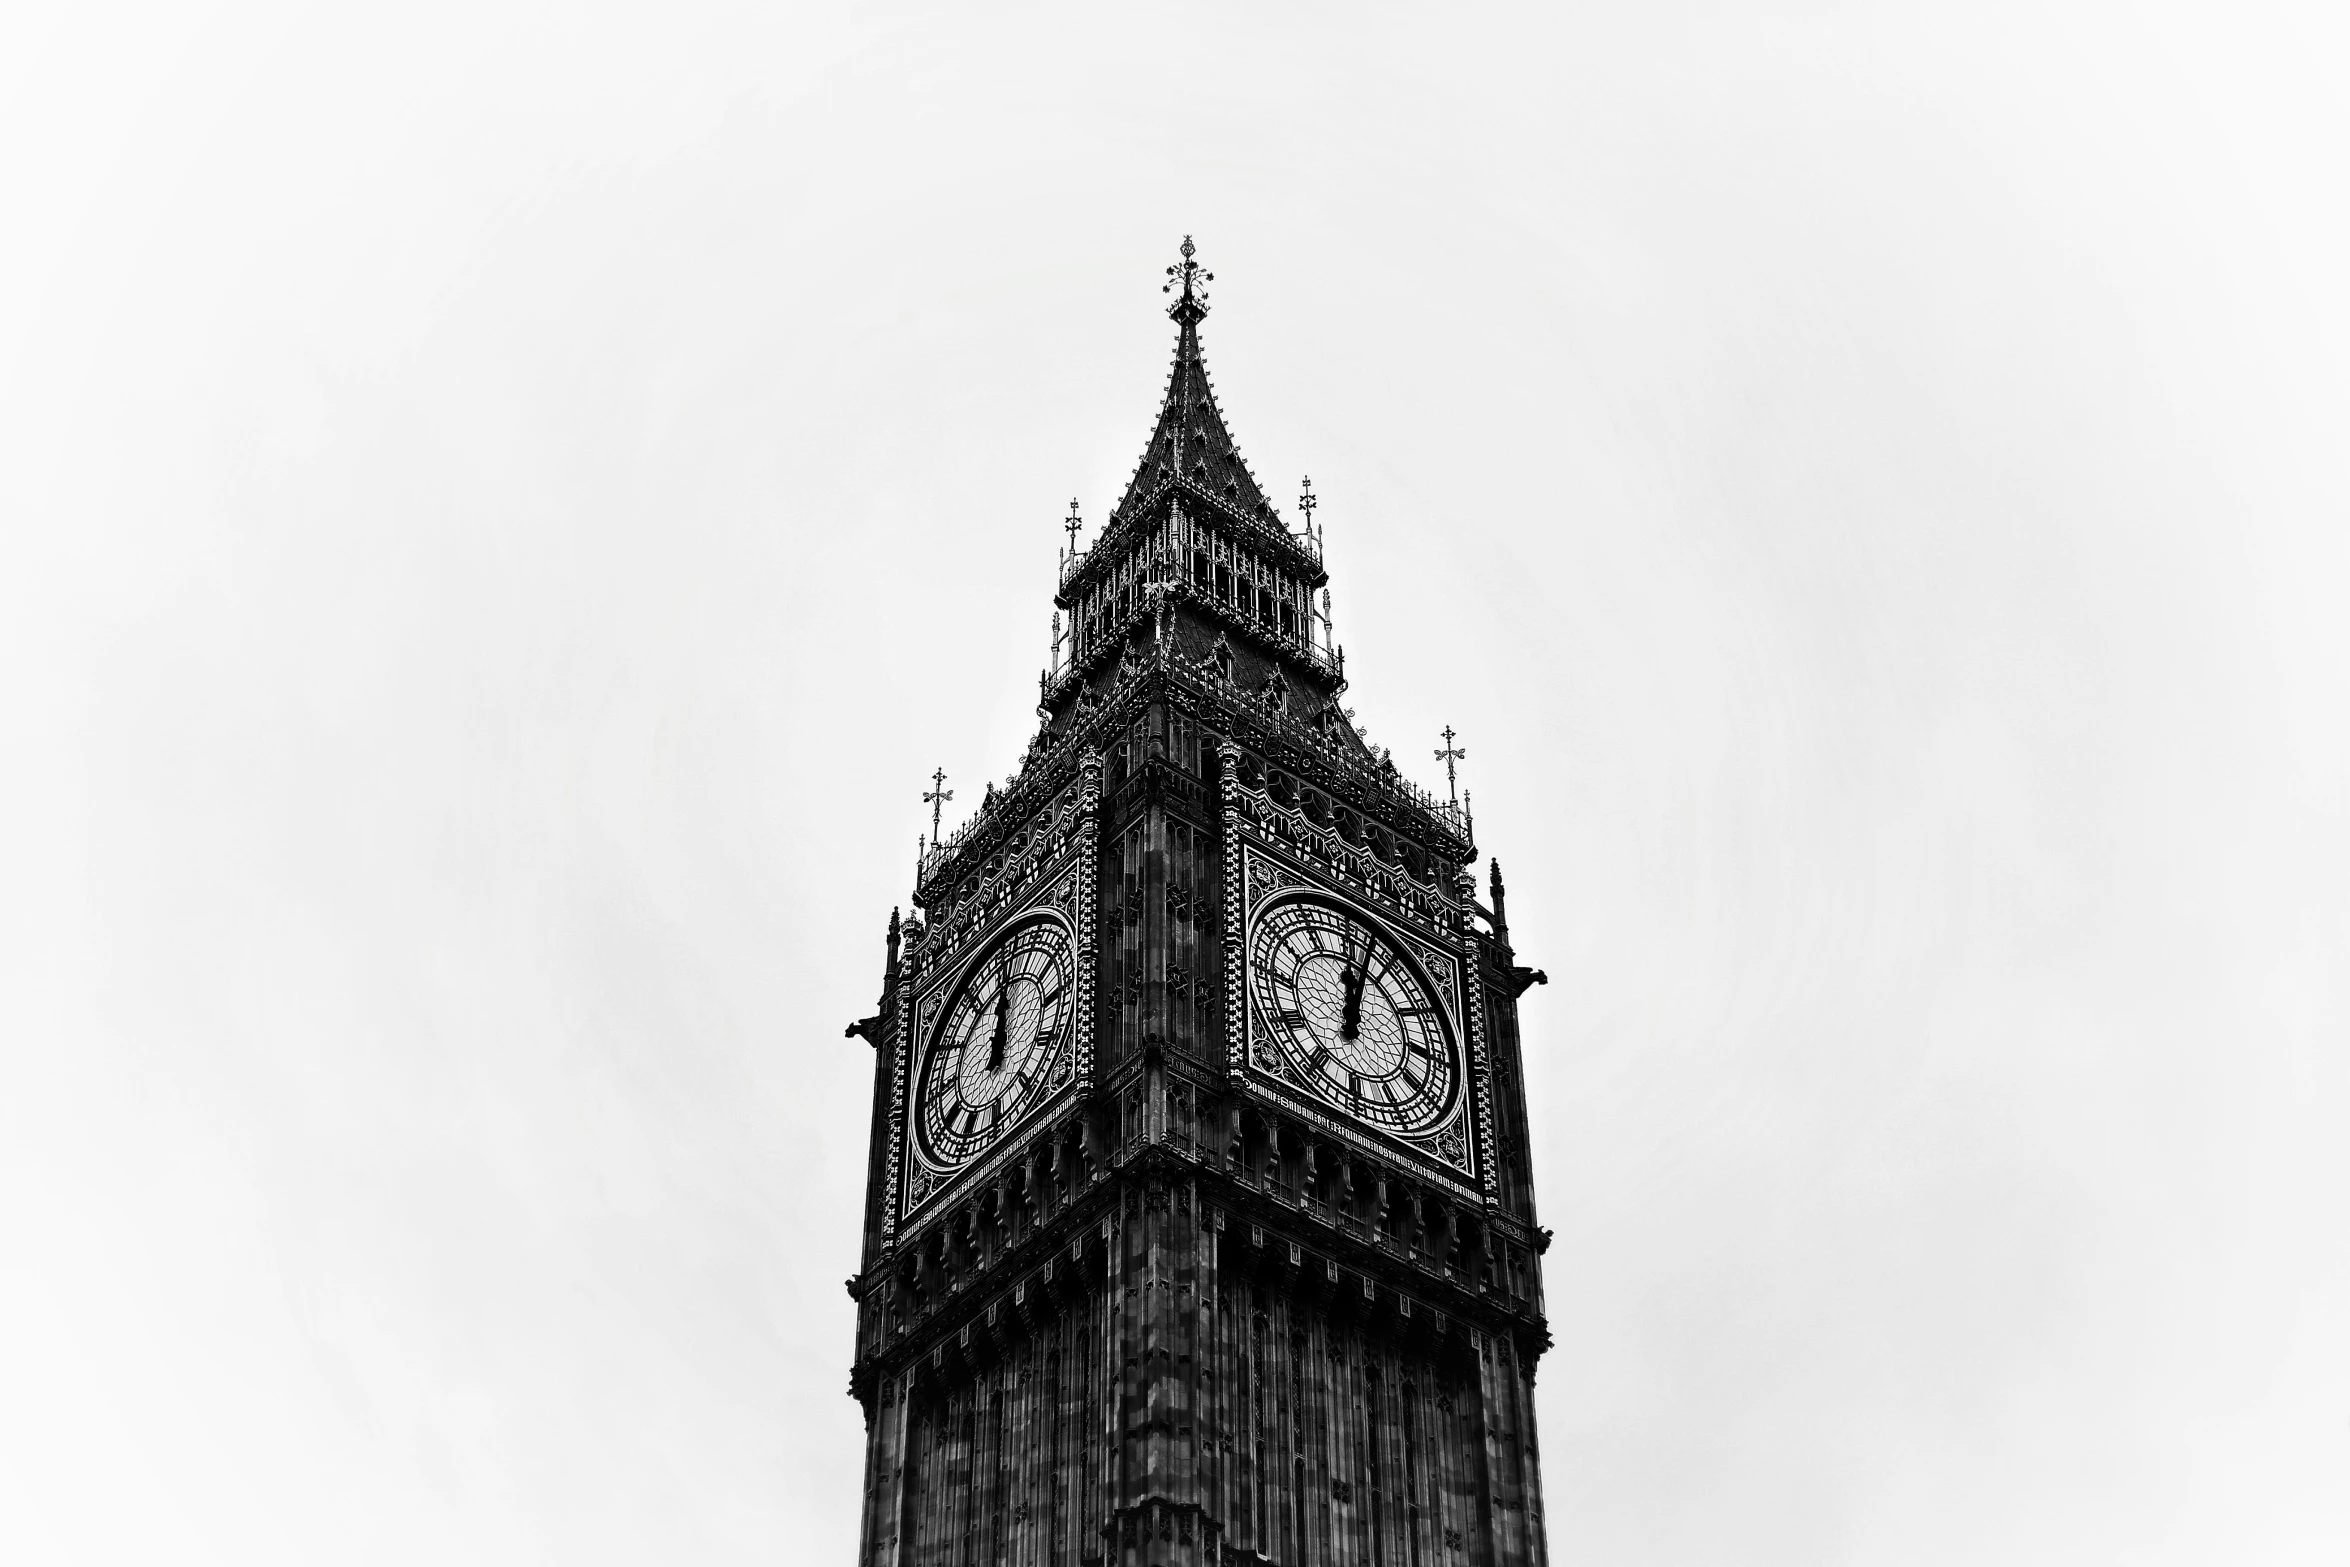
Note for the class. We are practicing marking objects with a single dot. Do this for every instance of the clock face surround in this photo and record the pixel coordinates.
(988, 1063)
(1354, 1017)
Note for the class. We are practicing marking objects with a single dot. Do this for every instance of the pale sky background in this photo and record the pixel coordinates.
(501, 507)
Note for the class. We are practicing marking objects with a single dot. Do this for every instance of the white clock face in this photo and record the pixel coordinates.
(988, 1061)
(1353, 1014)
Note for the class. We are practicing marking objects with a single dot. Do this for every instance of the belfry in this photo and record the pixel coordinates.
(1199, 1224)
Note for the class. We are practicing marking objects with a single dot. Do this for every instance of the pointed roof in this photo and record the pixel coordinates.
(1190, 441)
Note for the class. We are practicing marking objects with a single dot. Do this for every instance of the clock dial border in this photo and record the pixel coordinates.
(1399, 1018)
(928, 1177)
(1451, 1143)
(1047, 1031)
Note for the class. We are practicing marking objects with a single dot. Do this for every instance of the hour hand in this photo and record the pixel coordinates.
(995, 1043)
(1350, 1018)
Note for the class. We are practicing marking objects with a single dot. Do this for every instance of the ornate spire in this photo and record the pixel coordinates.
(1190, 443)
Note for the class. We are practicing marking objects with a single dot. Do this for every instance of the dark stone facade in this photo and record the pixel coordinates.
(1170, 1296)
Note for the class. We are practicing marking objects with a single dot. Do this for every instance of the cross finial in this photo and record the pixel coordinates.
(1448, 756)
(936, 798)
(1308, 501)
(1071, 524)
(1191, 275)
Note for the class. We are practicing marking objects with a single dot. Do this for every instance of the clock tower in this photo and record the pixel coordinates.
(1199, 1224)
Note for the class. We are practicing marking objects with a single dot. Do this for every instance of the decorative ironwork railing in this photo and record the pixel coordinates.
(1375, 777)
(1054, 683)
(1307, 544)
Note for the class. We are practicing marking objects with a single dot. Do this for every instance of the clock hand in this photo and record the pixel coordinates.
(1350, 1019)
(1003, 1013)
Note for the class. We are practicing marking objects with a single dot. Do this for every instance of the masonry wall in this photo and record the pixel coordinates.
(1207, 1394)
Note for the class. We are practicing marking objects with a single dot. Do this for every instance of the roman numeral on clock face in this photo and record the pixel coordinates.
(993, 1036)
(1320, 971)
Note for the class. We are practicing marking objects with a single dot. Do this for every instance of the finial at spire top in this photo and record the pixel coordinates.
(1191, 275)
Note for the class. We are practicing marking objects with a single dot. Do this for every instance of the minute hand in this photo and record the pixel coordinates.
(1350, 1017)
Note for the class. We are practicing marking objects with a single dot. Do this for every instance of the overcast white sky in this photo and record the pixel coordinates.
(501, 507)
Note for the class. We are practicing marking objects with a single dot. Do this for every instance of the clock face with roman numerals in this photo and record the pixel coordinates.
(988, 1061)
(1355, 1017)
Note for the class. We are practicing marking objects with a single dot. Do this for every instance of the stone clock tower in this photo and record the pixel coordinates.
(1199, 1225)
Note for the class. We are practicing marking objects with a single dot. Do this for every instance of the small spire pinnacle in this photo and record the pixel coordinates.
(1190, 274)
(1448, 756)
(936, 798)
(1071, 524)
(1306, 502)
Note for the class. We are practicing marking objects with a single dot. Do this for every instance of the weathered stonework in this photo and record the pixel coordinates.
(1174, 1297)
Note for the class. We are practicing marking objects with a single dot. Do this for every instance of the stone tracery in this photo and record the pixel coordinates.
(1189, 1309)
